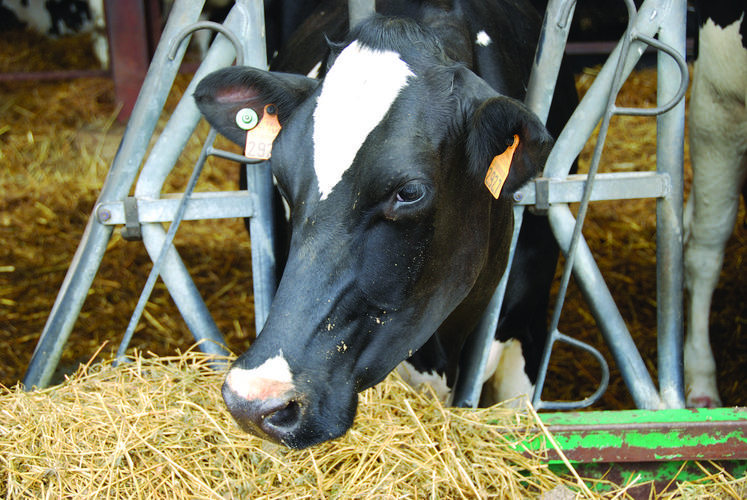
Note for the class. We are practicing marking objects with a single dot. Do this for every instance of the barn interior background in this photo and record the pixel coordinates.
(57, 139)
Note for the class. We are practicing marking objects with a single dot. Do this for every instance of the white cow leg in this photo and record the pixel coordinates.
(718, 173)
(712, 215)
(702, 266)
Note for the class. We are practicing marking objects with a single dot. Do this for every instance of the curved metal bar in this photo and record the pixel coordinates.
(226, 155)
(207, 25)
(684, 80)
(603, 383)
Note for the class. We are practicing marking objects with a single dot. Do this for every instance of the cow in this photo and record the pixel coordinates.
(718, 153)
(397, 243)
(59, 18)
(56, 18)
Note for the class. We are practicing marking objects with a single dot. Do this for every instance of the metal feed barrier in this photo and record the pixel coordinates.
(242, 38)
(553, 192)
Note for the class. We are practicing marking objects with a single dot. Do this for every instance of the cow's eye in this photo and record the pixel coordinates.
(412, 192)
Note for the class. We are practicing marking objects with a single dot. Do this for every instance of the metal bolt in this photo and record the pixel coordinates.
(104, 215)
(518, 196)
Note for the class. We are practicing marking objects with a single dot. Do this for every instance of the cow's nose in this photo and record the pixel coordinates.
(273, 419)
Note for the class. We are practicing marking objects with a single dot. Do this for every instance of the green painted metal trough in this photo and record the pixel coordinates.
(656, 447)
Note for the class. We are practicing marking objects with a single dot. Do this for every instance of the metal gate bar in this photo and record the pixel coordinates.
(670, 160)
(246, 20)
(117, 185)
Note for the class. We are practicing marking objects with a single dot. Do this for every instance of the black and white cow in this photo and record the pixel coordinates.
(397, 243)
(718, 152)
(57, 18)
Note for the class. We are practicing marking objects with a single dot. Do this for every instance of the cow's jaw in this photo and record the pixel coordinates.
(356, 95)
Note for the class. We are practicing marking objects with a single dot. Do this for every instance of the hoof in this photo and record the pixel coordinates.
(703, 402)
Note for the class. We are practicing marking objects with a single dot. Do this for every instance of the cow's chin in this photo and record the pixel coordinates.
(294, 419)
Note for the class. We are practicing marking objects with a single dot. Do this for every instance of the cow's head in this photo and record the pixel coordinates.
(383, 166)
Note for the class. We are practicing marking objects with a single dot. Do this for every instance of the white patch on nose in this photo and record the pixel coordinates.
(270, 379)
(483, 39)
(356, 95)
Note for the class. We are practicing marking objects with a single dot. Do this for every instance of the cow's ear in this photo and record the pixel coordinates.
(222, 94)
(501, 126)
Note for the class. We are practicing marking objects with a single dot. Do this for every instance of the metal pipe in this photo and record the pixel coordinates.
(548, 56)
(263, 236)
(539, 96)
(670, 130)
(593, 166)
(475, 353)
(568, 146)
(176, 276)
(573, 244)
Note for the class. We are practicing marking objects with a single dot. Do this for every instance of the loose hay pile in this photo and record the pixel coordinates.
(156, 428)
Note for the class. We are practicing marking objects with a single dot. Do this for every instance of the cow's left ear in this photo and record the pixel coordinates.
(498, 125)
(221, 95)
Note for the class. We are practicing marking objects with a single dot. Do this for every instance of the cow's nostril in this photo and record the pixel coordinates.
(286, 417)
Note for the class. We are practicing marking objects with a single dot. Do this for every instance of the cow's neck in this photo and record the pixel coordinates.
(454, 331)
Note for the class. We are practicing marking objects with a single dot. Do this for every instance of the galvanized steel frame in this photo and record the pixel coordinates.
(246, 20)
(666, 19)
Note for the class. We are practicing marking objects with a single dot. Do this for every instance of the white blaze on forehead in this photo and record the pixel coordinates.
(483, 39)
(357, 92)
(270, 379)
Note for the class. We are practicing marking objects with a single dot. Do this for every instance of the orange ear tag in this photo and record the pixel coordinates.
(259, 138)
(498, 170)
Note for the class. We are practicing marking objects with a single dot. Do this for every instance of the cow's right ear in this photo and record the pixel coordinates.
(223, 93)
(503, 125)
